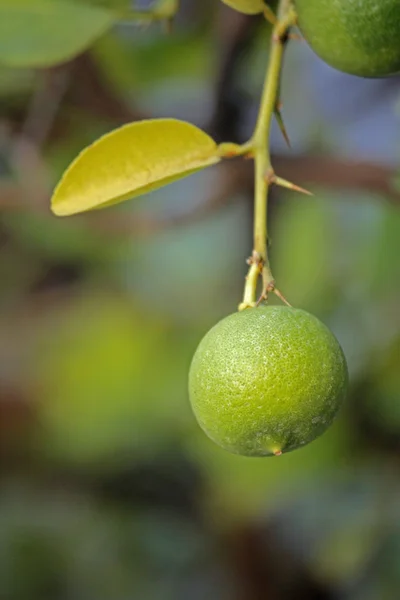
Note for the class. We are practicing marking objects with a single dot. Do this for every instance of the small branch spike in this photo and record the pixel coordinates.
(281, 124)
(281, 297)
(269, 286)
(290, 186)
(261, 299)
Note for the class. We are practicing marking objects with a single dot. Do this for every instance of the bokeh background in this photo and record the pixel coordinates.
(108, 488)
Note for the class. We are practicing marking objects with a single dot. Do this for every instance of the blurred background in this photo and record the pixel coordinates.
(108, 488)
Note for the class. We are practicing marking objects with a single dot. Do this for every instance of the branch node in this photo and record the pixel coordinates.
(270, 176)
(228, 150)
(243, 305)
(268, 288)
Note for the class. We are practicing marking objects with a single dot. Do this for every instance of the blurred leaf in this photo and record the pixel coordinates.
(348, 549)
(109, 380)
(249, 7)
(341, 525)
(50, 548)
(63, 544)
(302, 250)
(381, 390)
(185, 55)
(130, 161)
(40, 33)
(48, 239)
(15, 83)
(244, 486)
(384, 267)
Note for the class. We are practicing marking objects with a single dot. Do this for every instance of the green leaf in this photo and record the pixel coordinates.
(41, 33)
(131, 161)
(249, 7)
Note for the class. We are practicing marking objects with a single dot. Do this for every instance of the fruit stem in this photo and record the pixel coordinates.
(259, 148)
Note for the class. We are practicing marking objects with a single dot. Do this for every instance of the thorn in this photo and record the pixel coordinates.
(257, 258)
(264, 296)
(278, 452)
(291, 186)
(261, 298)
(279, 118)
(281, 297)
(270, 15)
(270, 287)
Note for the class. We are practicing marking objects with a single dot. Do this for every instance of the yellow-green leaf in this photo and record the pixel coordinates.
(41, 33)
(130, 161)
(249, 7)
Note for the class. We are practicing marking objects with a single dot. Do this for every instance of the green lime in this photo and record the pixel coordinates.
(267, 380)
(359, 37)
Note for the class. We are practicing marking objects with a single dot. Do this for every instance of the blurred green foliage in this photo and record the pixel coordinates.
(45, 43)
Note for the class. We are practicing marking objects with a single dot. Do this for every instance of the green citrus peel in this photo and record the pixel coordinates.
(361, 38)
(267, 380)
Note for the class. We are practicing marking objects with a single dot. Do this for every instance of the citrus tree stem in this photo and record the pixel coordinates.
(258, 147)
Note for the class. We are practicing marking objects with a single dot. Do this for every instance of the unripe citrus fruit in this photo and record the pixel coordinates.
(267, 380)
(358, 37)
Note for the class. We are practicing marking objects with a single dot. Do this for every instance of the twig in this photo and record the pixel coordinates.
(259, 146)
